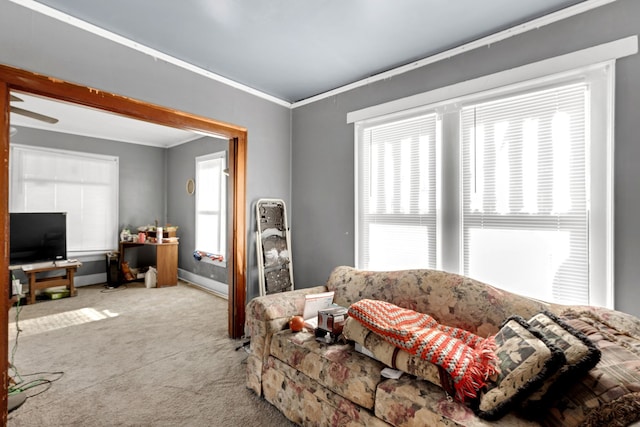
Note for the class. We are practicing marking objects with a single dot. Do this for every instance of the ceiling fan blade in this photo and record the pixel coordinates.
(15, 98)
(33, 115)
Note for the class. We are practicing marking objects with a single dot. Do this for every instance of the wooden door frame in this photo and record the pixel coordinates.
(26, 81)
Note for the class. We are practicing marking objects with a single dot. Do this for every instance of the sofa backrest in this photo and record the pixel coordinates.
(450, 298)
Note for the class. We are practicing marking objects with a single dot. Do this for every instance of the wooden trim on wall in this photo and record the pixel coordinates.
(4, 252)
(38, 84)
(238, 252)
(95, 98)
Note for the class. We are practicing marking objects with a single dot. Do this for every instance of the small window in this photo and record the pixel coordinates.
(211, 203)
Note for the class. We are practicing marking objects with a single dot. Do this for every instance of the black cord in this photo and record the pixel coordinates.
(107, 289)
(42, 382)
(24, 386)
(244, 344)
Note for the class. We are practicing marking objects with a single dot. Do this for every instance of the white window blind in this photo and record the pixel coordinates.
(211, 203)
(83, 185)
(525, 216)
(397, 194)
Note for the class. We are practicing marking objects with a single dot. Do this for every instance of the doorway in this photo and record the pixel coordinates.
(20, 80)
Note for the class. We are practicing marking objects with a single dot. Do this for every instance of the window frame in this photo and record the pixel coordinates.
(222, 203)
(539, 74)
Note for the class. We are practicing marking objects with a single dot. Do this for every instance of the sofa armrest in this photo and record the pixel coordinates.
(619, 320)
(265, 316)
(280, 305)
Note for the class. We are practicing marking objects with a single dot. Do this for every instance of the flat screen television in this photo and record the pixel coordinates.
(37, 237)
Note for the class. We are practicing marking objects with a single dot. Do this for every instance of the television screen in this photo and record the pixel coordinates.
(37, 237)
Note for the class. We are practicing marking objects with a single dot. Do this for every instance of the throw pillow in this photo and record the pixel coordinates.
(526, 359)
(581, 356)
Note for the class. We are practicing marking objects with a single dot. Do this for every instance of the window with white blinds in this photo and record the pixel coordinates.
(211, 203)
(525, 215)
(83, 185)
(397, 194)
(512, 186)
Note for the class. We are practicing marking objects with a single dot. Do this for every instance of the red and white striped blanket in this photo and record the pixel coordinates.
(469, 359)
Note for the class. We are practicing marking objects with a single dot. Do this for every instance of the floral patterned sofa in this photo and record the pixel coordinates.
(318, 384)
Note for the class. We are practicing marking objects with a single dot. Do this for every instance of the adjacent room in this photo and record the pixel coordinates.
(108, 174)
(471, 167)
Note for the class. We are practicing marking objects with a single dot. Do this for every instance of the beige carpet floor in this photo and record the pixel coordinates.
(132, 356)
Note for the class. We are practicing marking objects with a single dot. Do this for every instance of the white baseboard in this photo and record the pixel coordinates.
(88, 257)
(218, 288)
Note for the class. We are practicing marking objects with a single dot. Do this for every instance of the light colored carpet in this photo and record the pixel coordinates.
(134, 357)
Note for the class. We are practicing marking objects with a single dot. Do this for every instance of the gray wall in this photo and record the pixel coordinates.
(313, 166)
(322, 143)
(37, 43)
(142, 194)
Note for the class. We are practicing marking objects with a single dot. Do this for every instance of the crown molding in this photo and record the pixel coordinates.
(485, 41)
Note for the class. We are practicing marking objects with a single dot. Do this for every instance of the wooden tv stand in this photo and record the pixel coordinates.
(36, 283)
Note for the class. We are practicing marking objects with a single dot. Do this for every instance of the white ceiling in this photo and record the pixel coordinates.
(76, 120)
(295, 49)
(291, 50)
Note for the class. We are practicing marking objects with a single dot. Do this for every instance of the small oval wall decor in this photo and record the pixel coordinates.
(191, 186)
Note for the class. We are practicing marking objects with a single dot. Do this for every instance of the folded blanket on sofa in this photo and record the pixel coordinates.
(394, 357)
(469, 359)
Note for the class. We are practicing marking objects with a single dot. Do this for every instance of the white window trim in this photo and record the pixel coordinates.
(541, 72)
(582, 58)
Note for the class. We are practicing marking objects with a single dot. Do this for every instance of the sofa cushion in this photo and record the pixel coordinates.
(307, 403)
(581, 355)
(411, 402)
(527, 359)
(336, 366)
(389, 354)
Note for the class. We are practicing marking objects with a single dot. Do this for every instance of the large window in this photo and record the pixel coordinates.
(509, 186)
(211, 203)
(83, 185)
(525, 177)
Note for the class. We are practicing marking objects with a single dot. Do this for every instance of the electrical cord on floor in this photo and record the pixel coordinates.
(15, 344)
(21, 385)
(244, 345)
